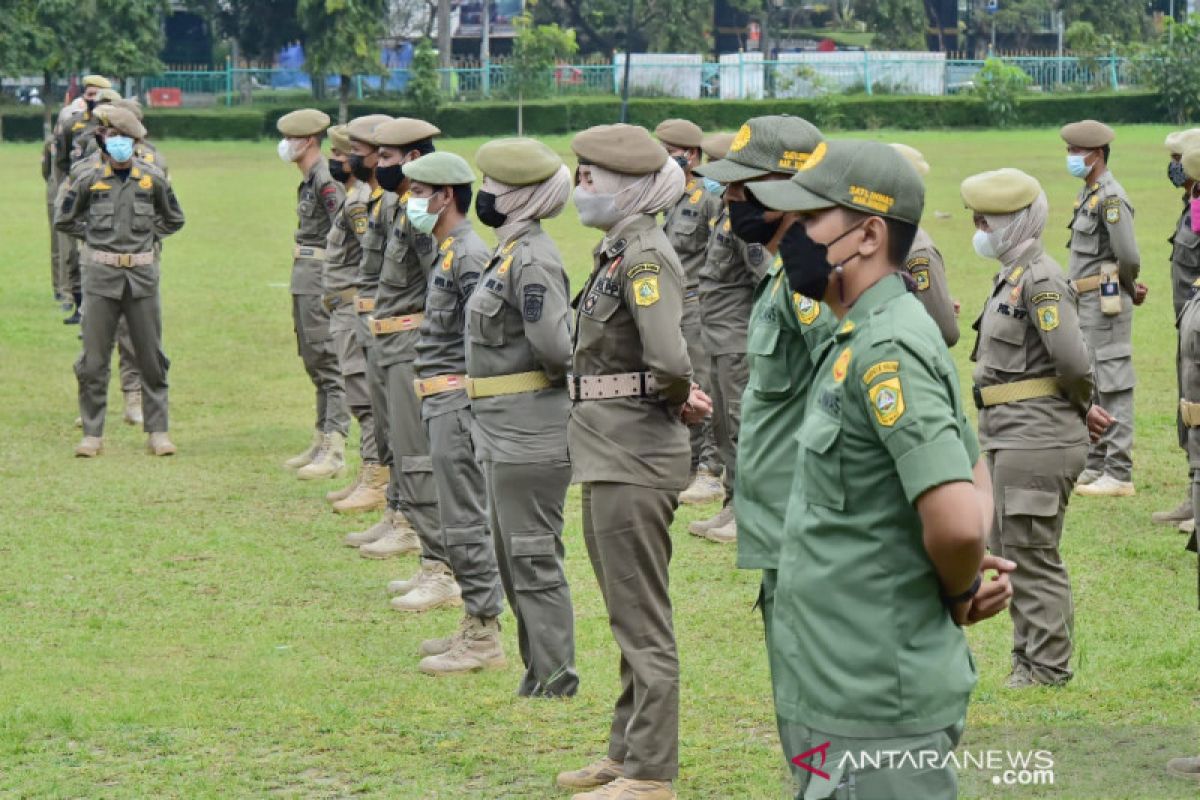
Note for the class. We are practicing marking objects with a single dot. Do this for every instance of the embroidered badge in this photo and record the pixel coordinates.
(1048, 317)
(882, 368)
(807, 309)
(1045, 297)
(504, 267)
(1112, 212)
(887, 401)
(921, 276)
(534, 295)
(645, 290)
(741, 139)
(841, 365)
(146, 182)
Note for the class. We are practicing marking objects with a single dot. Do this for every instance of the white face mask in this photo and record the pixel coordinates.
(286, 151)
(596, 210)
(984, 245)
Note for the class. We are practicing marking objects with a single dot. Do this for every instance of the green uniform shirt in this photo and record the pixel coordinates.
(865, 646)
(786, 328)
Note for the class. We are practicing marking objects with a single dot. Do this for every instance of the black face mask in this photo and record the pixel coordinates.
(337, 170)
(683, 162)
(748, 220)
(485, 209)
(390, 177)
(91, 105)
(1176, 173)
(360, 170)
(807, 262)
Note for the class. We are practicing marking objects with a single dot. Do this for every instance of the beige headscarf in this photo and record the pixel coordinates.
(640, 194)
(520, 204)
(1013, 233)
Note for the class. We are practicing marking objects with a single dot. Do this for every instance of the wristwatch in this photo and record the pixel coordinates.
(950, 602)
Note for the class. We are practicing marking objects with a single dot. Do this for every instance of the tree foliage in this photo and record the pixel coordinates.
(1123, 20)
(536, 50)
(260, 27)
(999, 85)
(1172, 67)
(663, 26)
(424, 89)
(897, 24)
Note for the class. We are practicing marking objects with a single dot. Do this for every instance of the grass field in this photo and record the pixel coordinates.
(192, 627)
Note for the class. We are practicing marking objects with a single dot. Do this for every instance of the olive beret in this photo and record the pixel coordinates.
(303, 122)
(1180, 142)
(517, 162)
(1088, 133)
(124, 121)
(716, 145)
(99, 81)
(914, 157)
(627, 149)
(403, 130)
(131, 104)
(679, 133)
(107, 96)
(363, 128)
(1001, 191)
(777, 143)
(339, 139)
(1191, 162)
(440, 169)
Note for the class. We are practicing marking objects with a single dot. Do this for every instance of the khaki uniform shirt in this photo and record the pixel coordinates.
(928, 271)
(318, 198)
(688, 225)
(127, 216)
(441, 345)
(404, 274)
(72, 136)
(519, 320)
(381, 208)
(1029, 329)
(627, 319)
(1189, 369)
(731, 271)
(1185, 259)
(343, 251)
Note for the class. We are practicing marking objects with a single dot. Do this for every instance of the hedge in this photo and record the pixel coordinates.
(544, 117)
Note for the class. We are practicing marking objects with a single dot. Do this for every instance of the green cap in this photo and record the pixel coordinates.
(626, 149)
(303, 122)
(362, 129)
(865, 176)
(440, 169)
(339, 139)
(517, 162)
(780, 143)
(1000, 191)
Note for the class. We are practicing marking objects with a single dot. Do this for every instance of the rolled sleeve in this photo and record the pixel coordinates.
(933, 464)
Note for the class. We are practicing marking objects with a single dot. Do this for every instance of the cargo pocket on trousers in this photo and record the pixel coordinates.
(416, 480)
(1028, 519)
(470, 550)
(534, 561)
(1114, 367)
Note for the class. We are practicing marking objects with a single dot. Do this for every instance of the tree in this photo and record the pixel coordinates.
(897, 24)
(260, 27)
(423, 89)
(536, 50)
(1124, 20)
(663, 26)
(1172, 66)
(342, 38)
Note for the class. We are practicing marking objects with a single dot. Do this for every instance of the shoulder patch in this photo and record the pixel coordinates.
(146, 182)
(535, 294)
(645, 290)
(807, 309)
(1112, 211)
(887, 401)
(639, 269)
(1048, 317)
(1046, 297)
(841, 365)
(755, 254)
(882, 368)
(921, 278)
(917, 261)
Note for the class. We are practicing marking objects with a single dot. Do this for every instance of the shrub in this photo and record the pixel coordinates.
(999, 85)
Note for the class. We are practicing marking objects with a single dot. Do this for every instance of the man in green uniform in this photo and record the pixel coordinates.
(319, 197)
(926, 267)
(121, 209)
(885, 533)
(738, 256)
(631, 383)
(1103, 267)
(688, 224)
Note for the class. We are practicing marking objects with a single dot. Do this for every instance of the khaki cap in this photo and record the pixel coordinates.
(716, 145)
(517, 162)
(1000, 191)
(362, 129)
(679, 133)
(107, 96)
(627, 149)
(864, 176)
(401, 131)
(99, 81)
(1191, 162)
(914, 157)
(303, 122)
(131, 104)
(339, 139)
(1089, 133)
(780, 143)
(440, 169)
(1181, 141)
(124, 121)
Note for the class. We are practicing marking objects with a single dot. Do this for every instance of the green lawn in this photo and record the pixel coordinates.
(192, 627)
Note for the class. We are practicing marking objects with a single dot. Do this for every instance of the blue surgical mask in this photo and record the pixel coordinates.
(119, 147)
(1077, 165)
(418, 214)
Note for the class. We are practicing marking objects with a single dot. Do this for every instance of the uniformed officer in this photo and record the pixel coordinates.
(631, 383)
(1033, 388)
(121, 210)
(319, 197)
(1185, 269)
(738, 256)
(518, 348)
(688, 224)
(716, 145)
(343, 254)
(1103, 268)
(928, 270)
(439, 200)
(885, 531)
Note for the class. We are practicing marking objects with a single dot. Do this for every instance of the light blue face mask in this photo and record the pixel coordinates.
(418, 214)
(119, 147)
(1077, 165)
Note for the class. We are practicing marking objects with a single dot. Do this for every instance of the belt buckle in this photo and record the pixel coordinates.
(470, 387)
(977, 394)
(575, 386)
(125, 261)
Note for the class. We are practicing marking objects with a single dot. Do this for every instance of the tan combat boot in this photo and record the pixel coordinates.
(1185, 767)
(329, 461)
(345, 491)
(435, 647)
(1187, 526)
(436, 588)
(399, 540)
(1175, 516)
(630, 789)
(305, 458)
(702, 526)
(598, 773)
(369, 495)
(478, 648)
(704, 488)
(133, 408)
(89, 447)
(373, 533)
(723, 534)
(1106, 486)
(159, 444)
(1087, 476)
(403, 586)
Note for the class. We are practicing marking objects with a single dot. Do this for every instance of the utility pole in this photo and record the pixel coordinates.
(485, 53)
(628, 60)
(445, 43)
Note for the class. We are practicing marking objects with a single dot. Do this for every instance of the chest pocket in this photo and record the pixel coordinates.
(822, 470)
(1085, 234)
(1005, 343)
(100, 216)
(143, 217)
(767, 346)
(1186, 250)
(338, 233)
(401, 262)
(485, 324)
(441, 303)
(305, 209)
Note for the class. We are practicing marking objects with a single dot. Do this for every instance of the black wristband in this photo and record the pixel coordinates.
(950, 602)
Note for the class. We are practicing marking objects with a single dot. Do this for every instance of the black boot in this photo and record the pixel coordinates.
(74, 318)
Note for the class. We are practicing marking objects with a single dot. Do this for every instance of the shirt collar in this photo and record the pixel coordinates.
(880, 293)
